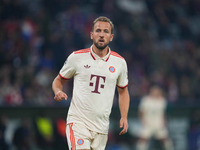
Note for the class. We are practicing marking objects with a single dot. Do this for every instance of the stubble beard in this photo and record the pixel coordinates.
(101, 47)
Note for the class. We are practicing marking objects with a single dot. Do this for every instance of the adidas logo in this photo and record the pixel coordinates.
(86, 66)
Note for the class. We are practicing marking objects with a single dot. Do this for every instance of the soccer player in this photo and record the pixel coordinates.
(96, 71)
(152, 116)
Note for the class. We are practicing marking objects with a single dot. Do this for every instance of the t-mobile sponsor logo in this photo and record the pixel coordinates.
(96, 83)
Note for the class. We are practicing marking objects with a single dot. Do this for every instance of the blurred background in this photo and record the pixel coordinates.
(160, 40)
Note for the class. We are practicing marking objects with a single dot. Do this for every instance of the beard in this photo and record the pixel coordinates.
(100, 47)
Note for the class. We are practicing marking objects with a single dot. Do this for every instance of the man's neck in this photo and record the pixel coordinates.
(100, 53)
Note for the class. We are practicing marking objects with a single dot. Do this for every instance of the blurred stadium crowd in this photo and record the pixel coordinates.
(158, 38)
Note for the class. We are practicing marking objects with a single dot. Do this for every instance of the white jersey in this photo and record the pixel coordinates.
(95, 81)
(153, 110)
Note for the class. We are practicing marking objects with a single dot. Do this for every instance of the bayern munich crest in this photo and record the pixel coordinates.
(112, 69)
(80, 141)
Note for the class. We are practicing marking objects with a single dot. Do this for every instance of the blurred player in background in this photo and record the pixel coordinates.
(96, 71)
(152, 116)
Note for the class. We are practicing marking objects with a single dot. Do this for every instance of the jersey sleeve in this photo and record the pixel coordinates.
(68, 69)
(122, 80)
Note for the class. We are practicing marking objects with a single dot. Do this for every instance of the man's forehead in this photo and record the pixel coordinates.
(101, 24)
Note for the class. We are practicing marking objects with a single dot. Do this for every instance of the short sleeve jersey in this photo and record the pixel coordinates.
(153, 110)
(95, 81)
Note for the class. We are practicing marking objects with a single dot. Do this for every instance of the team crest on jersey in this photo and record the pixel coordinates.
(80, 141)
(112, 69)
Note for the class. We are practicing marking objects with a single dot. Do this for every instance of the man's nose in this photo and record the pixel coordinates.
(101, 34)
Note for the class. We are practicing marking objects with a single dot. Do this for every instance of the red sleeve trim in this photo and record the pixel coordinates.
(122, 86)
(63, 77)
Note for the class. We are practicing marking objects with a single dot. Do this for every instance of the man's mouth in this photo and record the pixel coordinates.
(101, 41)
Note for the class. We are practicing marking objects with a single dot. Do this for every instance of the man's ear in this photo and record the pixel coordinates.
(91, 35)
(112, 35)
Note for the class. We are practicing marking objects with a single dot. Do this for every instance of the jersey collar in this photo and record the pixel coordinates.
(96, 57)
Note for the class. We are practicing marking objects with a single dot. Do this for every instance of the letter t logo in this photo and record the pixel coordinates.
(96, 84)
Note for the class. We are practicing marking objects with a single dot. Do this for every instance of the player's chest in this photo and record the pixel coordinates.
(155, 107)
(98, 68)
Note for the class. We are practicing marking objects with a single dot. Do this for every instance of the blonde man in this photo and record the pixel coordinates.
(96, 71)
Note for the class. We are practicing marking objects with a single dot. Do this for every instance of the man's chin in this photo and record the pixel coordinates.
(100, 47)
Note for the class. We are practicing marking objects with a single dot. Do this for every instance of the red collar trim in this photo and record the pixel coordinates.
(91, 52)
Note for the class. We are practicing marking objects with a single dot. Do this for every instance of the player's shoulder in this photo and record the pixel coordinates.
(82, 51)
(116, 55)
(78, 54)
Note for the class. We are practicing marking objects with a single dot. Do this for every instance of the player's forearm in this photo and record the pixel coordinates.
(124, 101)
(57, 85)
(124, 107)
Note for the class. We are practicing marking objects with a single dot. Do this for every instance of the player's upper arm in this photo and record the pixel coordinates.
(68, 70)
(122, 80)
(122, 90)
(60, 79)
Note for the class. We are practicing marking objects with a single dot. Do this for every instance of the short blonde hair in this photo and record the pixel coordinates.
(103, 19)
